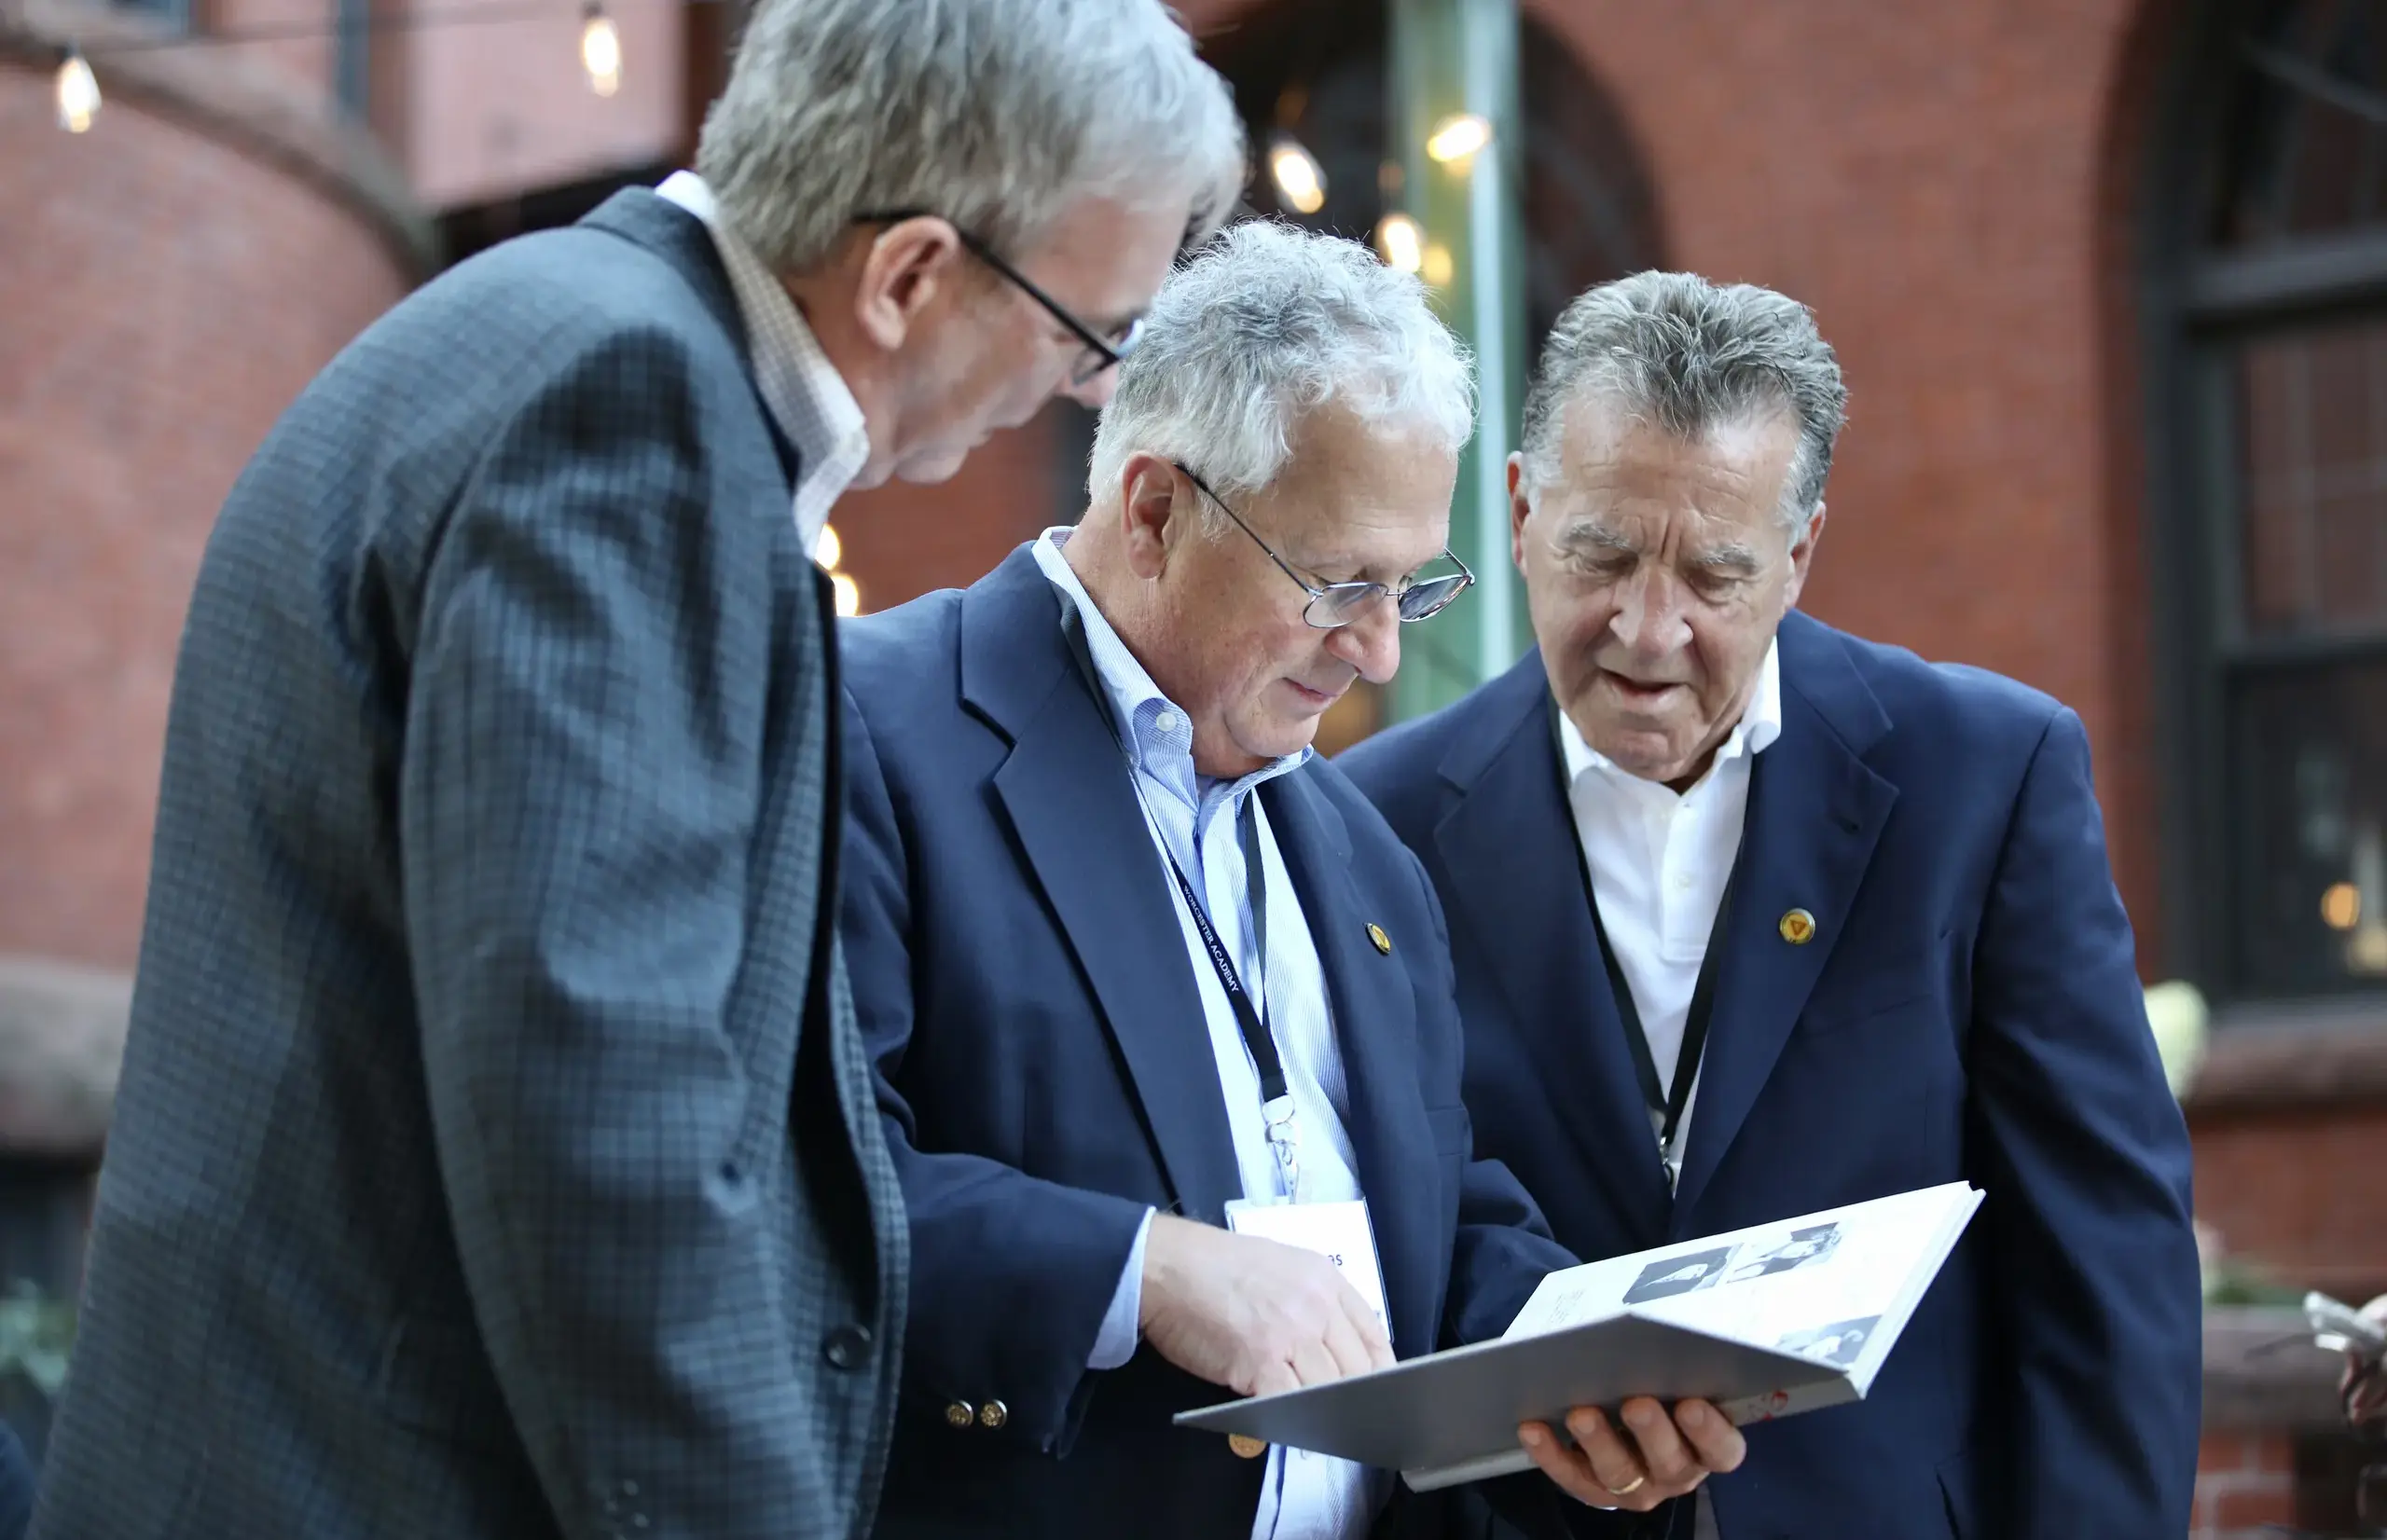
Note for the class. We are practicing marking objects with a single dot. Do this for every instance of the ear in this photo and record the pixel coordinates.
(1520, 509)
(1802, 554)
(1153, 497)
(904, 269)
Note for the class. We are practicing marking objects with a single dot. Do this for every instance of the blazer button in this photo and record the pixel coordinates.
(994, 1414)
(847, 1348)
(958, 1414)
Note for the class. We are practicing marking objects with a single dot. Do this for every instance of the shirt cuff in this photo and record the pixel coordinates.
(1115, 1343)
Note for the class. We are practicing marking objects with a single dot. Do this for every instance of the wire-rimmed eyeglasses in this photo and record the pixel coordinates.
(1338, 604)
(1101, 352)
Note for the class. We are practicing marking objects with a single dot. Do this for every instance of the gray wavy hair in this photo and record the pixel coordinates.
(994, 114)
(1691, 356)
(1264, 325)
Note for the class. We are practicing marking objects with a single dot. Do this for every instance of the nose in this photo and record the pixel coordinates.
(1372, 644)
(1092, 394)
(1649, 618)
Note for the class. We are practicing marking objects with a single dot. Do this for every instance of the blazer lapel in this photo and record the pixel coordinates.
(1375, 1024)
(1066, 791)
(1815, 811)
(1508, 844)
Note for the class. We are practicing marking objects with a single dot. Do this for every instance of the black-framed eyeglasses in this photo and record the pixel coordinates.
(1338, 604)
(1102, 353)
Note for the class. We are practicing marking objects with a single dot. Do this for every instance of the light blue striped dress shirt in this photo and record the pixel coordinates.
(1303, 1496)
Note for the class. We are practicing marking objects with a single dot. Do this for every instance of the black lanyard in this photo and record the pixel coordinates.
(1253, 1021)
(1666, 1105)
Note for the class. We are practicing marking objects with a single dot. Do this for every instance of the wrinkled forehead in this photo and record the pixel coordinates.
(1361, 495)
(1621, 468)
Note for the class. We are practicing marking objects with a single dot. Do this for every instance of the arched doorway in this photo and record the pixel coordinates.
(1317, 70)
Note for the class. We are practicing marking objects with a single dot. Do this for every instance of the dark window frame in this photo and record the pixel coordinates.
(2200, 306)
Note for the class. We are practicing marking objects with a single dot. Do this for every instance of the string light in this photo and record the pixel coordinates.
(1401, 242)
(1300, 182)
(78, 92)
(2341, 906)
(828, 550)
(848, 594)
(601, 51)
(1436, 267)
(601, 45)
(1459, 137)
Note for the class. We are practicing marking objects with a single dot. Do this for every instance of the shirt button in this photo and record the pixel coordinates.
(1682, 882)
(847, 1348)
(1166, 722)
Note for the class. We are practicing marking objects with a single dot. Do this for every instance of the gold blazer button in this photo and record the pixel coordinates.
(1245, 1446)
(1381, 942)
(960, 1414)
(1797, 928)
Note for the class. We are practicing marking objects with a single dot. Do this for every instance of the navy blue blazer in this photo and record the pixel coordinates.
(1045, 1074)
(1967, 1010)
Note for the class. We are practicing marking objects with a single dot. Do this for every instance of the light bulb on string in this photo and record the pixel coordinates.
(1457, 138)
(78, 92)
(848, 594)
(601, 51)
(1401, 242)
(1300, 182)
(828, 550)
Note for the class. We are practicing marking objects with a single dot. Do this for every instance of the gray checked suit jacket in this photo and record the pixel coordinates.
(495, 1155)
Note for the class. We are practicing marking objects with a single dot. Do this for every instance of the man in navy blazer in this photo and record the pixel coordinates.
(1128, 956)
(1879, 885)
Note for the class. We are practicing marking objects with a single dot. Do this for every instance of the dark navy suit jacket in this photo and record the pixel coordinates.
(1045, 1074)
(1966, 1010)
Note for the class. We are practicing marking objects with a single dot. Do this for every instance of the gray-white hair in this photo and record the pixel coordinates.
(1263, 326)
(1691, 356)
(993, 114)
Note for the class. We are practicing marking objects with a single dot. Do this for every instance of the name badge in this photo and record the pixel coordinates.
(1340, 1233)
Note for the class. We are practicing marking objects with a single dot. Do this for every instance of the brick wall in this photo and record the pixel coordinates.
(167, 298)
(2244, 1481)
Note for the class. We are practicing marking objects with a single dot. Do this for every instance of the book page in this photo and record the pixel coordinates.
(1824, 1285)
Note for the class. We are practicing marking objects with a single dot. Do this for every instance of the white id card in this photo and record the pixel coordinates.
(1340, 1233)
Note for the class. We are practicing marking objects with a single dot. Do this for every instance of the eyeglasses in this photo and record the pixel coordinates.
(1338, 604)
(1101, 352)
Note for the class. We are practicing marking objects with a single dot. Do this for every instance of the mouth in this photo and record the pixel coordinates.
(1318, 699)
(1641, 694)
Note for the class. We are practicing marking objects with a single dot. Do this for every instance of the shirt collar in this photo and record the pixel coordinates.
(803, 390)
(1158, 732)
(1758, 726)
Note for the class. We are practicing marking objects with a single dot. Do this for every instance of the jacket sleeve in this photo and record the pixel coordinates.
(1012, 1276)
(579, 786)
(2083, 1158)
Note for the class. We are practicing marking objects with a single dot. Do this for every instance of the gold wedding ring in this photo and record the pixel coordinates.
(1629, 1488)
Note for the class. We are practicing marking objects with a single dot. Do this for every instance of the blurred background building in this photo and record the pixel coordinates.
(2108, 278)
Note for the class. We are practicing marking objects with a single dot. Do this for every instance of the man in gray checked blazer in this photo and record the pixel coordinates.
(495, 1155)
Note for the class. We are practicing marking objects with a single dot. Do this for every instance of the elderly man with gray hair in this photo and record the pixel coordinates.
(1753, 918)
(1161, 1010)
(495, 1155)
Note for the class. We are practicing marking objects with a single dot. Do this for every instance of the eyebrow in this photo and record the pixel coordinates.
(1735, 557)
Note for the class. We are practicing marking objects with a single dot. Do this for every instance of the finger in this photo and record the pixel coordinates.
(1275, 1376)
(1663, 1454)
(1614, 1463)
(1371, 1338)
(1715, 1442)
(1345, 1345)
(1313, 1365)
(1565, 1467)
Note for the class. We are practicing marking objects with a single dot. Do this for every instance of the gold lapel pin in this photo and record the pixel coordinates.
(1245, 1446)
(1797, 927)
(1383, 943)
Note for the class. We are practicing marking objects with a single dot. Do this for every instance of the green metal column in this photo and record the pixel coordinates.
(1449, 57)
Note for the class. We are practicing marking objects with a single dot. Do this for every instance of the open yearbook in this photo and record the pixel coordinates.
(1765, 1322)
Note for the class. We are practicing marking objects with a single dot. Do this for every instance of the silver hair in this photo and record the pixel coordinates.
(1263, 326)
(994, 114)
(1691, 356)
